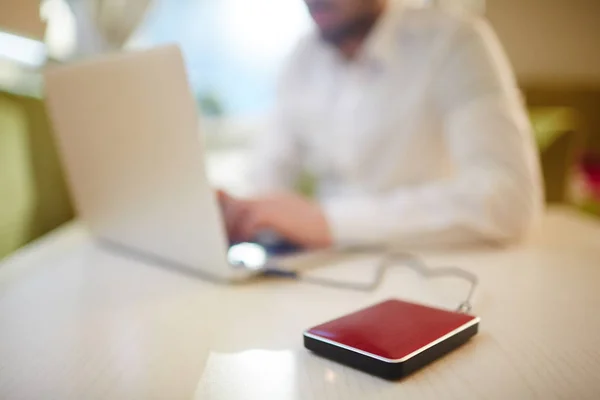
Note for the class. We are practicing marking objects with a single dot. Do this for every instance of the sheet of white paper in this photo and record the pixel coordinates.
(254, 374)
(284, 375)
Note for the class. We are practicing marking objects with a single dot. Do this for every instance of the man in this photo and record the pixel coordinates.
(412, 124)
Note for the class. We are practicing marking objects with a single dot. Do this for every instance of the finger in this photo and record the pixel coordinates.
(233, 210)
(229, 220)
(222, 196)
(255, 220)
(238, 214)
(227, 217)
(224, 203)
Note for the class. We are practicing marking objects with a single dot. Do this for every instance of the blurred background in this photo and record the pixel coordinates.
(234, 50)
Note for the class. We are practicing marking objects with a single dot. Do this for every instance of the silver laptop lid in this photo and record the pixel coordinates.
(127, 129)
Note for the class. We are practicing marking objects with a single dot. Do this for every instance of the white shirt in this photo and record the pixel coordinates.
(421, 139)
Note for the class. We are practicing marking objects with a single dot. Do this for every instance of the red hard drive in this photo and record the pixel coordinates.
(391, 339)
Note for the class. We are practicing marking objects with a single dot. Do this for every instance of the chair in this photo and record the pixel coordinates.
(33, 194)
(560, 139)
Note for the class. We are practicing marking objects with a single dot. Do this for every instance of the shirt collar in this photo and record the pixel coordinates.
(379, 45)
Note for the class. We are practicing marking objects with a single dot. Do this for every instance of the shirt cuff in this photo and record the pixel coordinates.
(353, 221)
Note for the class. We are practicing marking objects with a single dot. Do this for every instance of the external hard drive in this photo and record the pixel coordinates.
(391, 339)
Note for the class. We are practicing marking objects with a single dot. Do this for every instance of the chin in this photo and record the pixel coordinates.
(331, 35)
(326, 29)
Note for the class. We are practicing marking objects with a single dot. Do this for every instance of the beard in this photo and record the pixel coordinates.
(357, 28)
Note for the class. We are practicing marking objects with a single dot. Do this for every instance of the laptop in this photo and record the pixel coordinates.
(127, 130)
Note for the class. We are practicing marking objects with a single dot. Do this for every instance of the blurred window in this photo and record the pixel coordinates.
(234, 48)
(28, 52)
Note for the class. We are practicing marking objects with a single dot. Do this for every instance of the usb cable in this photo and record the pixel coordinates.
(390, 259)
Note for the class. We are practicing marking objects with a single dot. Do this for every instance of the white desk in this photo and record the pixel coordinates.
(79, 323)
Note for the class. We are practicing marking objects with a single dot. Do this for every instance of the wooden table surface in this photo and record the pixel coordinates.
(77, 322)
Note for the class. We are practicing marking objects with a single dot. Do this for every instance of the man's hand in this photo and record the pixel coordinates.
(293, 217)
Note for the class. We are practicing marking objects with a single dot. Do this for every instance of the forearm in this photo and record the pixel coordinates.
(482, 206)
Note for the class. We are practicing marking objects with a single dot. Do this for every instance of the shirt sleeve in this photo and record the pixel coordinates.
(495, 194)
